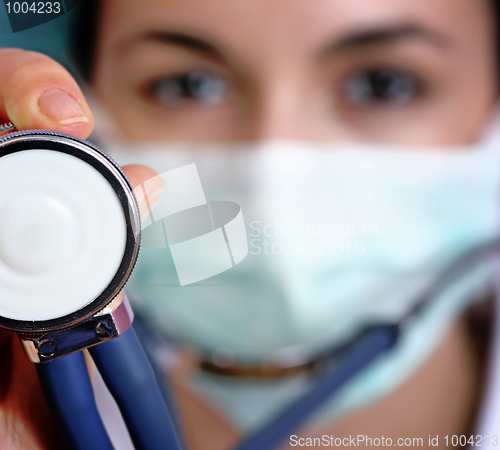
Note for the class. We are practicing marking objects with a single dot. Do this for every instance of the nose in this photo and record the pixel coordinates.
(288, 109)
(277, 113)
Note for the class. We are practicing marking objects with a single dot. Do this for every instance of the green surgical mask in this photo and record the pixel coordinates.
(338, 237)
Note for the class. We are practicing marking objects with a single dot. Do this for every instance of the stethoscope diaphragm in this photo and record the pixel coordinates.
(69, 230)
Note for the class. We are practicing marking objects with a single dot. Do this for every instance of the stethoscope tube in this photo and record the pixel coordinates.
(369, 346)
(129, 377)
(68, 391)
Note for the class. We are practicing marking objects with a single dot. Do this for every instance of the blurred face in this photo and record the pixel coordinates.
(397, 71)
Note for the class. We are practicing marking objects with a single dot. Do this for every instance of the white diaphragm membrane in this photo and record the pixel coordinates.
(62, 234)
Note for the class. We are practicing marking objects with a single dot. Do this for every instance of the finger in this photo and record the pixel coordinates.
(148, 186)
(38, 93)
(25, 420)
(5, 338)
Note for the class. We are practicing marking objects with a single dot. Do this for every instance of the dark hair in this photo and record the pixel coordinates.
(496, 14)
(85, 34)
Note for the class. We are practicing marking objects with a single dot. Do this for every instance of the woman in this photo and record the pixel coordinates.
(403, 72)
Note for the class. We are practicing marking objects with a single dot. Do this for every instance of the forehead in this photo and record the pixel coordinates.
(263, 22)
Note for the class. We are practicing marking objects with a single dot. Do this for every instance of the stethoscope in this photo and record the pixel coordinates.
(44, 178)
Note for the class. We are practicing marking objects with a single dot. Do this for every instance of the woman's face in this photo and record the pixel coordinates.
(399, 71)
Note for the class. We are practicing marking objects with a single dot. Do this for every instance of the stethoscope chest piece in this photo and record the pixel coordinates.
(69, 239)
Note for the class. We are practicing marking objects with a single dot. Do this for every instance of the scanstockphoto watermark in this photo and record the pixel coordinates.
(360, 440)
(310, 239)
(364, 441)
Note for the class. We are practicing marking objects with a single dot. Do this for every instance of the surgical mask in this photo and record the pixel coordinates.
(339, 237)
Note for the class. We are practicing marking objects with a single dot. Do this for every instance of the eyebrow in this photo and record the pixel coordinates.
(386, 35)
(356, 40)
(183, 40)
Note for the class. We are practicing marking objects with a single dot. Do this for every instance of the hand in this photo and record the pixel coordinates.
(37, 93)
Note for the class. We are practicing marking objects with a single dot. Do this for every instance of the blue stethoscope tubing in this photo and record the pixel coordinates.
(69, 395)
(371, 344)
(130, 378)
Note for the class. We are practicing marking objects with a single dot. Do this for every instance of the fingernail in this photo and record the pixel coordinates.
(61, 107)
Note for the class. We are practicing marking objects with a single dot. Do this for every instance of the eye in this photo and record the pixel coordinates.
(200, 86)
(380, 86)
